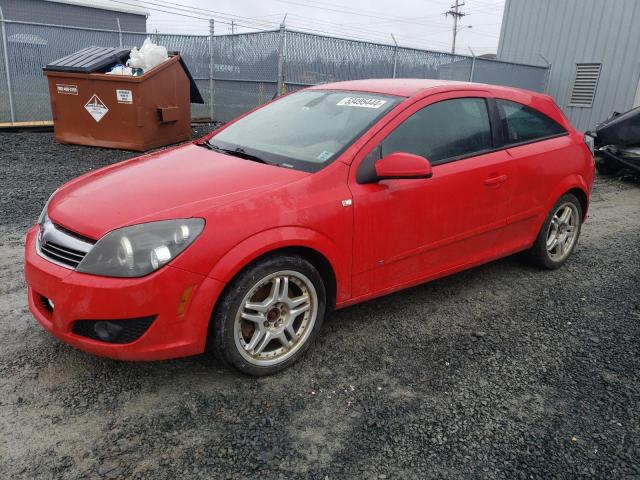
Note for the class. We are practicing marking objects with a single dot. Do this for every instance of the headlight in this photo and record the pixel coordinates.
(140, 249)
(43, 214)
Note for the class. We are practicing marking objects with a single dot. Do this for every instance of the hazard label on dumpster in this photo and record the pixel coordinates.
(96, 108)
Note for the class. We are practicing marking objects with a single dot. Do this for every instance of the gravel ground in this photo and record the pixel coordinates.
(503, 371)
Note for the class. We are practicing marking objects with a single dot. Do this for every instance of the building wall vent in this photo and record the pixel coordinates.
(585, 84)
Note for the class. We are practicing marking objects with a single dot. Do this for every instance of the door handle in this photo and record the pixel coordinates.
(494, 181)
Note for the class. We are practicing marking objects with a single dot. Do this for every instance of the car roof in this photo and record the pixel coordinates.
(419, 87)
(409, 87)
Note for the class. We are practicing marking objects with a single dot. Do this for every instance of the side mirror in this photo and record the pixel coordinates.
(403, 165)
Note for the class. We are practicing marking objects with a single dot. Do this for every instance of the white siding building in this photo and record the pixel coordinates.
(593, 47)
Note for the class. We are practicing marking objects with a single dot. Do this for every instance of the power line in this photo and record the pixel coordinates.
(385, 18)
(358, 11)
(379, 16)
(489, 7)
(185, 8)
(309, 25)
(178, 9)
(373, 33)
(264, 25)
(341, 27)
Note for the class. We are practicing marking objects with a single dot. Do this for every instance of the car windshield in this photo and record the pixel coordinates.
(305, 130)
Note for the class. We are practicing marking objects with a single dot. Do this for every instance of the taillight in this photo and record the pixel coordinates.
(590, 142)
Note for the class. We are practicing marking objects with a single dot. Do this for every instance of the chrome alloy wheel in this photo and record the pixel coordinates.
(275, 318)
(563, 232)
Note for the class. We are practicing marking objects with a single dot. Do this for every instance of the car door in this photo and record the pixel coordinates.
(408, 230)
(542, 155)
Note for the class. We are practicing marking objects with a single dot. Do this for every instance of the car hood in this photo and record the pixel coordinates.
(177, 183)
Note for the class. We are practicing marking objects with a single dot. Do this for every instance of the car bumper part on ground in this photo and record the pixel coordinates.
(175, 332)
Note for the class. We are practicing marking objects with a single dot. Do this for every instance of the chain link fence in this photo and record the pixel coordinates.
(237, 72)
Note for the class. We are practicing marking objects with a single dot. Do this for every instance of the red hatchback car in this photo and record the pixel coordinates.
(243, 240)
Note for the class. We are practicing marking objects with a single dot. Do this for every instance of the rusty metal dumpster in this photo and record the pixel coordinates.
(126, 112)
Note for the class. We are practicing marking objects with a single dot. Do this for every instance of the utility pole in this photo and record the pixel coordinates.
(457, 15)
(233, 29)
(211, 67)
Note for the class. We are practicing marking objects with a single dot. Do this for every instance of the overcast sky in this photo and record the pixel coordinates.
(416, 23)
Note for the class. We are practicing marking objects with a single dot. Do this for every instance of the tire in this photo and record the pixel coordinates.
(547, 254)
(277, 331)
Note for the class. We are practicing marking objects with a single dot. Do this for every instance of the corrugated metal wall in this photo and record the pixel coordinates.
(566, 32)
(73, 15)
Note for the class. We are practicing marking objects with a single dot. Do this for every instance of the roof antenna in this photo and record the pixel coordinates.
(284, 19)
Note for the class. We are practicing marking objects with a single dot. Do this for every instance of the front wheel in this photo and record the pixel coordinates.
(559, 234)
(269, 316)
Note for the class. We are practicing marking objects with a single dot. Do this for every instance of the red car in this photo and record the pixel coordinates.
(244, 240)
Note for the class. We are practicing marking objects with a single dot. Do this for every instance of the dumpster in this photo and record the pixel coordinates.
(91, 107)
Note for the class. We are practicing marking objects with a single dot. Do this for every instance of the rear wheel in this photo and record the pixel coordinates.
(269, 316)
(559, 234)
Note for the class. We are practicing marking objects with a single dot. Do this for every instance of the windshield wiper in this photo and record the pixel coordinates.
(240, 152)
(236, 152)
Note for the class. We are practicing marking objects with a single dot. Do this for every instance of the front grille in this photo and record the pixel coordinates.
(60, 246)
(131, 329)
(58, 253)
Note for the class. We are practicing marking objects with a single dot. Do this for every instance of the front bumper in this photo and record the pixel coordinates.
(78, 296)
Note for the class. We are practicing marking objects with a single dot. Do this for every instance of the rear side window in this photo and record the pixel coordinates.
(443, 130)
(524, 124)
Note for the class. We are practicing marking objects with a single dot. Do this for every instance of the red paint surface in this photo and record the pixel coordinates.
(397, 232)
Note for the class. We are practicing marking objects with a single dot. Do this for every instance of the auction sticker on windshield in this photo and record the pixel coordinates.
(361, 102)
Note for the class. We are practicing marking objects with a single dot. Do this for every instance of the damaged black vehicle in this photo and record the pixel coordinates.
(616, 143)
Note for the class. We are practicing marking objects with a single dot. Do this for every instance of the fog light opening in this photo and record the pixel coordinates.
(107, 331)
(46, 303)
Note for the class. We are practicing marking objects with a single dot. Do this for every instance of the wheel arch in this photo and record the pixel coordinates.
(309, 244)
(582, 198)
(574, 184)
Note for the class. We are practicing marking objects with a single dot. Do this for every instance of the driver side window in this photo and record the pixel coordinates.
(443, 131)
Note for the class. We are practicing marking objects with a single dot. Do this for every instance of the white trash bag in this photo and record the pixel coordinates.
(120, 69)
(150, 55)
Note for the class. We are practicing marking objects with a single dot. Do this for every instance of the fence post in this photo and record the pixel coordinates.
(211, 68)
(119, 32)
(473, 65)
(395, 56)
(547, 74)
(547, 78)
(281, 55)
(6, 67)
